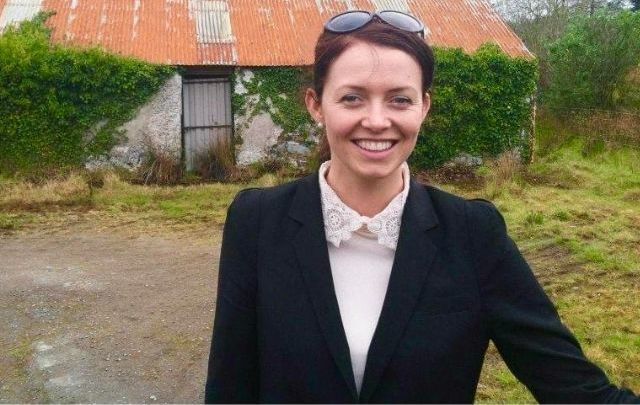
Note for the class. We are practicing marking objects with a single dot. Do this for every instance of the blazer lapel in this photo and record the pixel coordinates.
(310, 245)
(414, 255)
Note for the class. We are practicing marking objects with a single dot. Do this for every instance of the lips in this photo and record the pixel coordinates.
(374, 146)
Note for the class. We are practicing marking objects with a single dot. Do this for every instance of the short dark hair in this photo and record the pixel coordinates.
(330, 46)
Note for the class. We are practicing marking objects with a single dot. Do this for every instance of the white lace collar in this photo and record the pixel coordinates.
(340, 221)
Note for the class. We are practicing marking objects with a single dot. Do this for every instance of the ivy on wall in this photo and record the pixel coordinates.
(60, 105)
(279, 92)
(481, 104)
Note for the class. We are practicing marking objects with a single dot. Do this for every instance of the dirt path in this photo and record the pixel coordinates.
(105, 317)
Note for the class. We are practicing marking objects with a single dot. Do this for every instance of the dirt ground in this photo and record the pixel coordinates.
(94, 316)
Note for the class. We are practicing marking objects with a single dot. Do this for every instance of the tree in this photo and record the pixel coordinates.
(542, 22)
(590, 63)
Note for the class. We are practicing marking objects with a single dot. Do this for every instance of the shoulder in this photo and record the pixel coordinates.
(480, 217)
(446, 203)
(256, 199)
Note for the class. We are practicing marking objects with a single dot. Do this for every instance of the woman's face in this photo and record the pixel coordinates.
(372, 107)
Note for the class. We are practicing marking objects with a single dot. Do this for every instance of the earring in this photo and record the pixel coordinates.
(320, 125)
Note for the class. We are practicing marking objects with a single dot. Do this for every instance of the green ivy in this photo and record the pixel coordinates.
(278, 92)
(60, 105)
(481, 104)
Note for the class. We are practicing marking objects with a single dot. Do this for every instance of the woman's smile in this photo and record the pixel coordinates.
(374, 146)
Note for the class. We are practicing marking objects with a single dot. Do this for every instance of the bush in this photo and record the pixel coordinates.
(58, 105)
(592, 63)
(481, 105)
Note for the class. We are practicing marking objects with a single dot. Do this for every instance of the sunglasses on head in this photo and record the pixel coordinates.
(350, 21)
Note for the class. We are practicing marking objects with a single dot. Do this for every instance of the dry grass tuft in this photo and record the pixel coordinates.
(161, 166)
(217, 162)
(67, 191)
(462, 176)
(503, 173)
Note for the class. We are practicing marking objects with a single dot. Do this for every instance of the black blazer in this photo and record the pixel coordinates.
(457, 281)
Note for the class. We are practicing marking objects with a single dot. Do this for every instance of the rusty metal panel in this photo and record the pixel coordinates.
(15, 11)
(399, 5)
(466, 24)
(207, 116)
(159, 31)
(213, 24)
(248, 32)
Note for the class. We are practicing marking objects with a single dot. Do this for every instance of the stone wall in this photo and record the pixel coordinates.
(156, 125)
(257, 136)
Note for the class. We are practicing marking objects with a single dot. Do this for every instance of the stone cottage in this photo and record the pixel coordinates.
(219, 44)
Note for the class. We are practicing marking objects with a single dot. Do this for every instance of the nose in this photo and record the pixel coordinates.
(375, 118)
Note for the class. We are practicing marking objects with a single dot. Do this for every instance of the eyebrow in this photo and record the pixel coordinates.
(393, 90)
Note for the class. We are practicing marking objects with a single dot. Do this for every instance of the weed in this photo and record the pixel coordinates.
(534, 218)
(55, 193)
(161, 165)
(561, 215)
(503, 175)
(216, 162)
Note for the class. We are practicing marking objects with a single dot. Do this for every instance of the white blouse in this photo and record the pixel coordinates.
(361, 252)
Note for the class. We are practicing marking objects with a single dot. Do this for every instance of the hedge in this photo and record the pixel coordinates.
(61, 105)
(481, 105)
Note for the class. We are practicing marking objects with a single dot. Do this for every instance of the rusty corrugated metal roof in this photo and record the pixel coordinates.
(248, 32)
(14, 11)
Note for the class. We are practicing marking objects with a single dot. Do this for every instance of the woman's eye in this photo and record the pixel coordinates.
(402, 100)
(350, 98)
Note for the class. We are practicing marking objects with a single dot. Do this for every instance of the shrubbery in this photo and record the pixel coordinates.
(481, 104)
(592, 65)
(60, 105)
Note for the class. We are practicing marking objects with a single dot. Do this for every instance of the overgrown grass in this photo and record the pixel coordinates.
(575, 213)
(58, 202)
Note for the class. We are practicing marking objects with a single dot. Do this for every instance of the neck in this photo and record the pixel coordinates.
(367, 197)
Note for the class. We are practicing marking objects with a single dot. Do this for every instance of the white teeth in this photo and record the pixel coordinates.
(375, 146)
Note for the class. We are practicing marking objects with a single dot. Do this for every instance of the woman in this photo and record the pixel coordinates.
(357, 284)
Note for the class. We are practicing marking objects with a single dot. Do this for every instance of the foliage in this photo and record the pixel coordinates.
(277, 91)
(590, 64)
(481, 105)
(160, 165)
(60, 105)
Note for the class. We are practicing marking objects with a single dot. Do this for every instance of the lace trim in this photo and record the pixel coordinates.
(340, 220)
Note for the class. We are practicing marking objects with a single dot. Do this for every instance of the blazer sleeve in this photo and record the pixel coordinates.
(233, 361)
(524, 325)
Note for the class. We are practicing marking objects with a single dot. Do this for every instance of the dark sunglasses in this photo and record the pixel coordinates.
(352, 20)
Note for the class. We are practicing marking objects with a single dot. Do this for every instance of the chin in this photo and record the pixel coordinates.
(378, 173)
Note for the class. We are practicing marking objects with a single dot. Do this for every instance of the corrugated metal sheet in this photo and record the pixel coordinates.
(14, 11)
(213, 23)
(399, 5)
(207, 116)
(251, 32)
